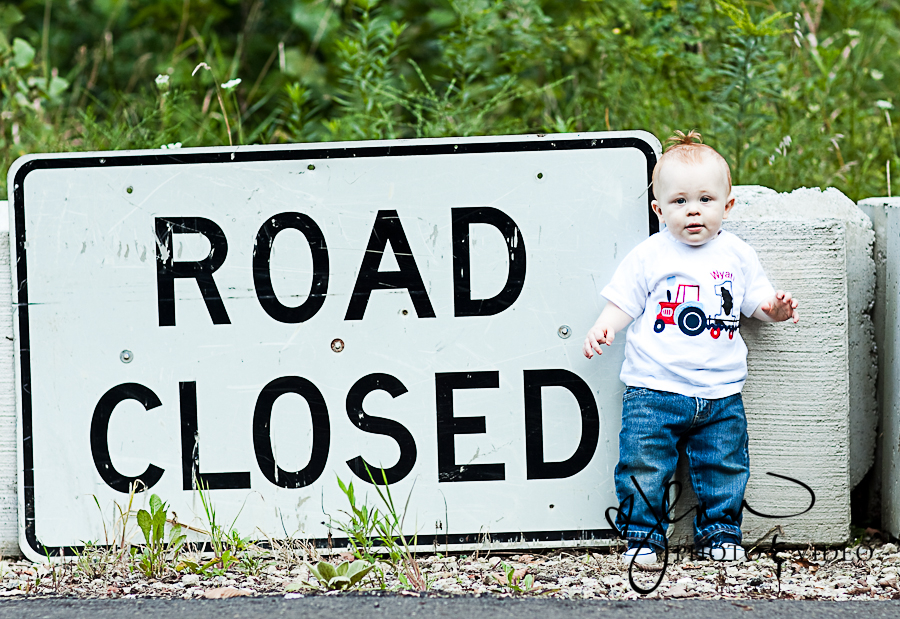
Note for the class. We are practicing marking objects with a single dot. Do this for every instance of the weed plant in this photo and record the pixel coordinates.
(154, 558)
(345, 576)
(514, 582)
(794, 92)
(376, 536)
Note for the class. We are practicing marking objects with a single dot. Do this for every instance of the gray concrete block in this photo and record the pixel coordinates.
(809, 397)
(9, 540)
(885, 215)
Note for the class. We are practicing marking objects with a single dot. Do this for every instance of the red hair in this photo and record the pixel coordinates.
(689, 148)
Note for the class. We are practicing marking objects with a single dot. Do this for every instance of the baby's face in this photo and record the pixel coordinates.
(692, 199)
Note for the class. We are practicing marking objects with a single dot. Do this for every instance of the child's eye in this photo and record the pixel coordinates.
(680, 201)
(704, 199)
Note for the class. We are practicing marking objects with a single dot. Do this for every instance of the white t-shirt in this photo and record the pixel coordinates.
(685, 301)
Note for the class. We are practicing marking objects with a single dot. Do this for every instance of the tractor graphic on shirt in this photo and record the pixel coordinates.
(687, 312)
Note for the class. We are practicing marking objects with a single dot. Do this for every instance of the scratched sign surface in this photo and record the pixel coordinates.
(266, 320)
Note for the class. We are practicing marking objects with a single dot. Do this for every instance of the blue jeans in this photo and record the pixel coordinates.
(714, 436)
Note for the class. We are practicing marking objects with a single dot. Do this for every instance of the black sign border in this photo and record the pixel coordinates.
(247, 154)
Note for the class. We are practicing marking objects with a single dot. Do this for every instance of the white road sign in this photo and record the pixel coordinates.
(266, 320)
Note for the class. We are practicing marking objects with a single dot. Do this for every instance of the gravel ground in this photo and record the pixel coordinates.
(596, 574)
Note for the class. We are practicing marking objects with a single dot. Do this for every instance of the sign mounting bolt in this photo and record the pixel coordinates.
(337, 345)
(126, 356)
(564, 332)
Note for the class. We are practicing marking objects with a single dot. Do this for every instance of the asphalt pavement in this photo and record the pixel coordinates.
(367, 606)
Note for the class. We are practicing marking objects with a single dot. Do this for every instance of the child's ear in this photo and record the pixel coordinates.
(656, 209)
(728, 206)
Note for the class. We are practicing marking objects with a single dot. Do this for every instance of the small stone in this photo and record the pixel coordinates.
(889, 582)
(678, 591)
(494, 561)
(607, 580)
(190, 580)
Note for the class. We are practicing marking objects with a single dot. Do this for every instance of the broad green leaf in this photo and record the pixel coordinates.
(23, 53)
(342, 568)
(144, 522)
(159, 524)
(186, 565)
(156, 504)
(339, 582)
(9, 16)
(326, 570)
(57, 86)
(314, 571)
(175, 532)
(358, 571)
(357, 566)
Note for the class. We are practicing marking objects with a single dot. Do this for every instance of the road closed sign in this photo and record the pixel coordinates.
(264, 321)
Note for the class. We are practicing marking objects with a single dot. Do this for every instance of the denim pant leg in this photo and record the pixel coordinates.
(652, 422)
(718, 455)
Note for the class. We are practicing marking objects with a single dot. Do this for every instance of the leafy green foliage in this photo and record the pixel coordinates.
(152, 560)
(375, 534)
(345, 576)
(513, 581)
(792, 92)
(227, 544)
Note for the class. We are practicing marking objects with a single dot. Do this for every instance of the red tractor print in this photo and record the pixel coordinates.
(686, 311)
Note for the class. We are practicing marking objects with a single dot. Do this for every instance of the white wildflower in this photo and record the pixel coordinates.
(162, 82)
(231, 83)
(876, 75)
(171, 146)
(881, 104)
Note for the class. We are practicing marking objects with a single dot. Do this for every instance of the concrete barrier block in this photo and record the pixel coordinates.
(9, 540)
(810, 394)
(885, 215)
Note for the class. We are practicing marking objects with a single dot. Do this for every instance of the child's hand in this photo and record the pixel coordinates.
(599, 334)
(780, 307)
(611, 319)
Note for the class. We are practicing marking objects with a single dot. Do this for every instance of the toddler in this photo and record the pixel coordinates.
(683, 291)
